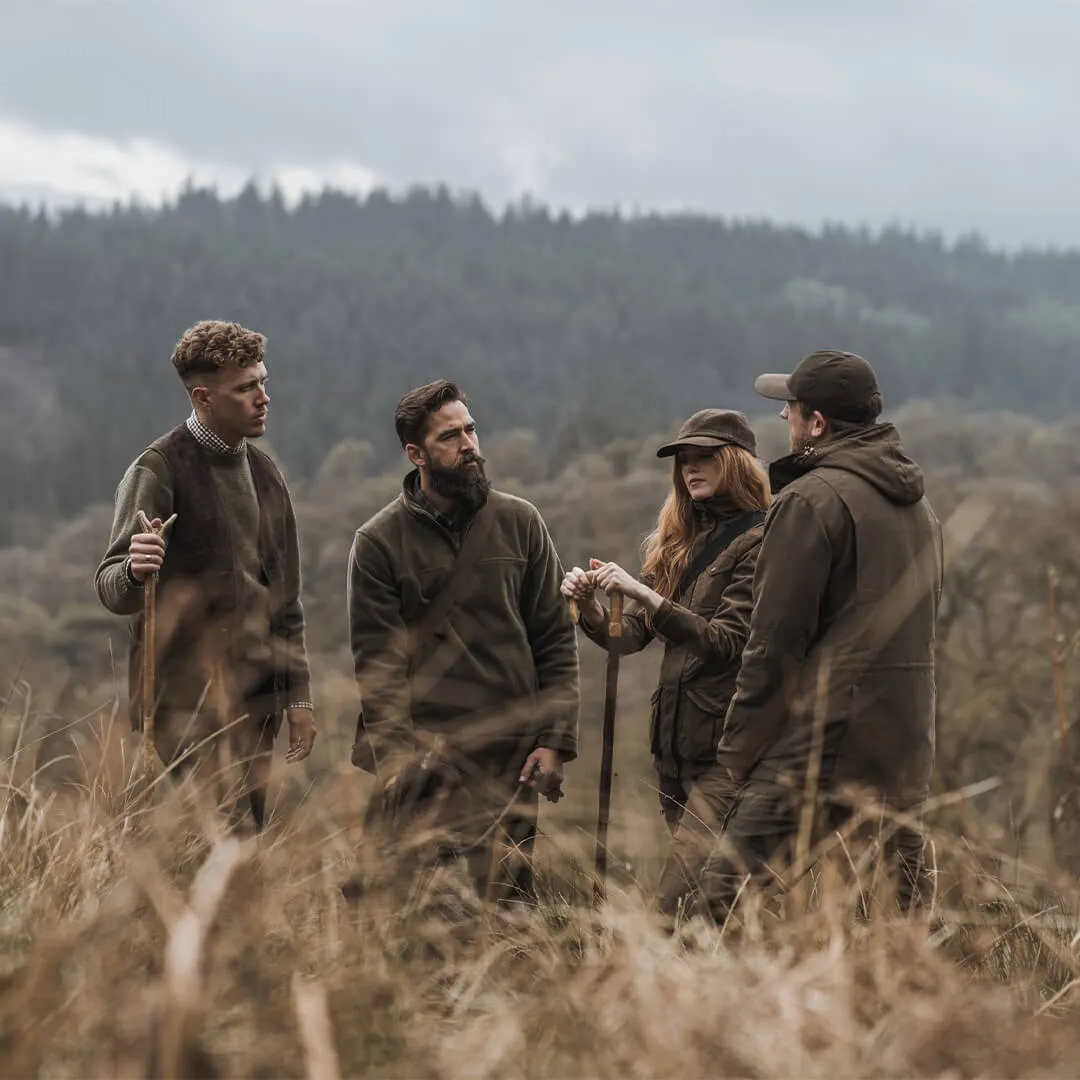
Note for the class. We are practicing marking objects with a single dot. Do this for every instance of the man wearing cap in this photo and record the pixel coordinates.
(836, 692)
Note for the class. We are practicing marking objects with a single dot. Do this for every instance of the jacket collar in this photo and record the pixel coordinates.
(419, 503)
(718, 510)
(790, 467)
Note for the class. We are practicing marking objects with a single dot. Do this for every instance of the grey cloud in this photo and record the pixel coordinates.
(940, 113)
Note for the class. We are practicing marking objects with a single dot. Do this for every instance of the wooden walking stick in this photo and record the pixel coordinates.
(149, 638)
(1058, 656)
(607, 757)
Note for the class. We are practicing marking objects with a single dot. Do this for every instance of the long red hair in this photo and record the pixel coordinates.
(666, 551)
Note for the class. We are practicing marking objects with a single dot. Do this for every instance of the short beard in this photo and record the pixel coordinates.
(465, 484)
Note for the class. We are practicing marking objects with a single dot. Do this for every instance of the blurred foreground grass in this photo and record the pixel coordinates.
(137, 939)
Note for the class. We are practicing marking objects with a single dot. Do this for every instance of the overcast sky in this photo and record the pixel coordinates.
(946, 114)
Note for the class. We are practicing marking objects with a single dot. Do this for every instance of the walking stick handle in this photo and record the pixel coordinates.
(615, 611)
(148, 526)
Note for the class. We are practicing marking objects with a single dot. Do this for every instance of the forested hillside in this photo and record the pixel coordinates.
(582, 330)
(581, 343)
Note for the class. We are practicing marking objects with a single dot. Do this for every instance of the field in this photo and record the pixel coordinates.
(138, 939)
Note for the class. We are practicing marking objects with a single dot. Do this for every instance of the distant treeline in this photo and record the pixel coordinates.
(582, 330)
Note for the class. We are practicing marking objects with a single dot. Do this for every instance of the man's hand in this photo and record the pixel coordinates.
(542, 771)
(146, 552)
(301, 734)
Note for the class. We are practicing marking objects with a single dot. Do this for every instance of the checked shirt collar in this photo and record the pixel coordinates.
(211, 440)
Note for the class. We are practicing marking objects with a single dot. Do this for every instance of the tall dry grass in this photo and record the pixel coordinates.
(139, 938)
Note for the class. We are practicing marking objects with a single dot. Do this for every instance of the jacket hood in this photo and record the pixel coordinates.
(875, 454)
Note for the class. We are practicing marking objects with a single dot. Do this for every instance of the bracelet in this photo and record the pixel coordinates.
(132, 579)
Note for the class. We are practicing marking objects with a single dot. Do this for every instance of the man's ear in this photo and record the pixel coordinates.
(818, 425)
(200, 396)
(416, 455)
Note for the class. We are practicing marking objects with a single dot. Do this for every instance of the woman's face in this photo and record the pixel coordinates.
(700, 468)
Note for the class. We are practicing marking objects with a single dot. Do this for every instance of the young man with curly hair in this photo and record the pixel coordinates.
(230, 650)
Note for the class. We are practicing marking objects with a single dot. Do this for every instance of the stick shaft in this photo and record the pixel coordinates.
(607, 762)
(1056, 668)
(607, 758)
(149, 690)
(149, 641)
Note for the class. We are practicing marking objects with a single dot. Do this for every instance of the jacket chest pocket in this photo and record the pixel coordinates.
(499, 575)
(710, 585)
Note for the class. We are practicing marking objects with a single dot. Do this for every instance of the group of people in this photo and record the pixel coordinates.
(796, 606)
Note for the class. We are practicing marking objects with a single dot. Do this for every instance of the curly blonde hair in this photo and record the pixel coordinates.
(210, 345)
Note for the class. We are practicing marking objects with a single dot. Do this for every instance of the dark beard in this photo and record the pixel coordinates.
(465, 485)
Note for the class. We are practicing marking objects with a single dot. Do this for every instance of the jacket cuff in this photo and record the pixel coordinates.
(565, 745)
(676, 623)
(597, 633)
(298, 693)
(663, 614)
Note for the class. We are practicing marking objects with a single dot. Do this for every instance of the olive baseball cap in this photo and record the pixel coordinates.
(713, 428)
(840, 385)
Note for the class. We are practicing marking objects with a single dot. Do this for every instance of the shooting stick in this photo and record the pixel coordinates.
(149, 638)
(607, 758)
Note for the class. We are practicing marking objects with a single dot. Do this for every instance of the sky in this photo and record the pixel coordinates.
(944, 115)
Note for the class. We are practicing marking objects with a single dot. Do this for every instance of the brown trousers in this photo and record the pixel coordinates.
(695, 811)
(485, 823)
(230, 761)
(759, 841)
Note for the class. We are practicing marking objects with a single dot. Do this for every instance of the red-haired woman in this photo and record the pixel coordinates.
(695, 593)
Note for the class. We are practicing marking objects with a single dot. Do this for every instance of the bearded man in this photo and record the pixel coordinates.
(465, 653)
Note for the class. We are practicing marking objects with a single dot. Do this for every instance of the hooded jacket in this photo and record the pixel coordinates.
(846, 596)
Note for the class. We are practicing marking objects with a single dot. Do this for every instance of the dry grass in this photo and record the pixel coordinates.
(139, 939)
(139, 942)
